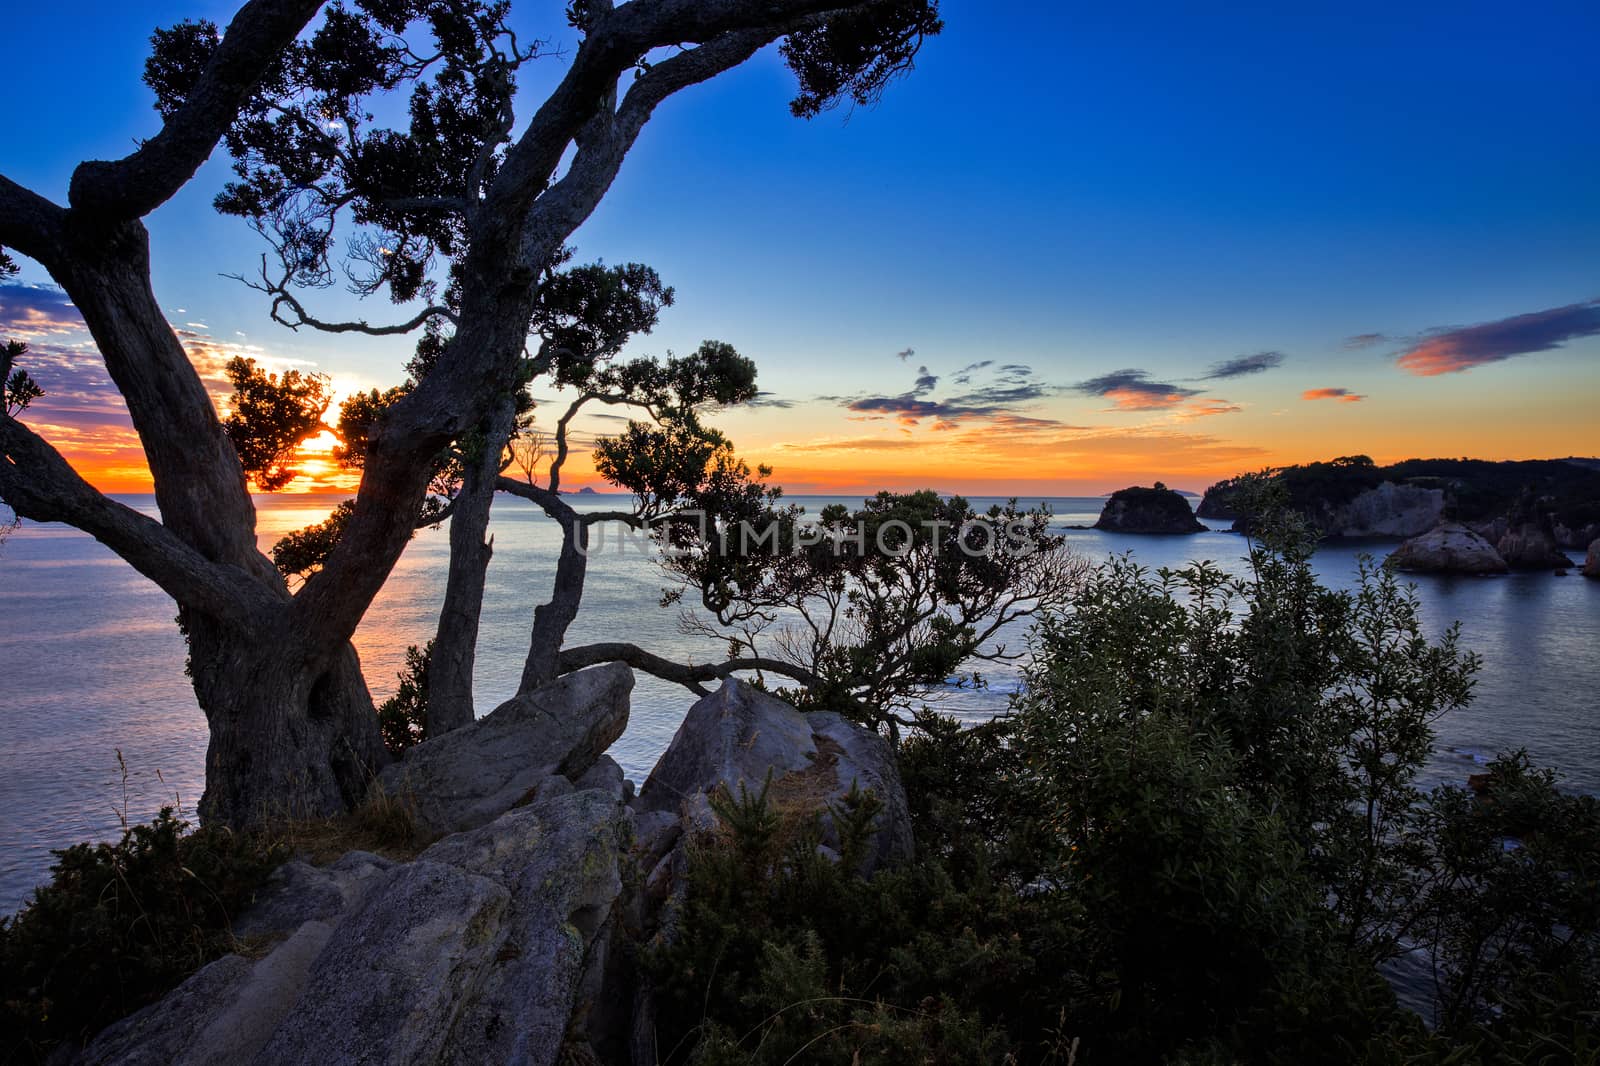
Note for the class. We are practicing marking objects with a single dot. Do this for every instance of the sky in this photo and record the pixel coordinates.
(1074, 250)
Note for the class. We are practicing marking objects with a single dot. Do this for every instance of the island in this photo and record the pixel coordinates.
(1157, 509)
(1528, 512)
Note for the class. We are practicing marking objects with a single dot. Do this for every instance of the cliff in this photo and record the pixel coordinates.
(1353, 497)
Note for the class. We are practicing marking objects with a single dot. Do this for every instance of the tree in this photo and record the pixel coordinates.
(460, 183)
(871, 611)
(272, 416)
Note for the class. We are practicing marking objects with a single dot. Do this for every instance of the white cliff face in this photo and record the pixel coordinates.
(1591, 565)
(1389, 510)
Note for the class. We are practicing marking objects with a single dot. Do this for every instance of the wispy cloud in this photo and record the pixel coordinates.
(32, 311)
(1240, 366)
(1364, 340)
(1012, 387)
(1132, 390)
(768, 399)
(1206, 408)
(1341, 395)
(964, 375)
(905, 353)
(1451, 351)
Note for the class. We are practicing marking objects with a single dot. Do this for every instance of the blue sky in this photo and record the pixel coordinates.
(1156, 187)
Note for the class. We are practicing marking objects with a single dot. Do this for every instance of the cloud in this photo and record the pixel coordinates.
(853, 444)
(1208, 407)
(1342, 395)
(1452, 351)
(905, 353)
(964, 375)
(1013, 387)
(768, 399)
(1364, 340)
(1132, 390)
(1239, 366)
(32, 311)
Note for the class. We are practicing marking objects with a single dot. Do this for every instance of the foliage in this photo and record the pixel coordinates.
(873, 608)
(20, 389)
(272, 414)
(1476, 489)
(1195, 839)
(1518, 924)
(403, 717)
(120, 924)
(856, 55)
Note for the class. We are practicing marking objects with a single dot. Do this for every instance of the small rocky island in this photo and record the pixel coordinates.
(1450, 548)
(1148, 510)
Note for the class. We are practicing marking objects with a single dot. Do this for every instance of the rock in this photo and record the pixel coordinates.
(1152, 510)
(298, 892)
(220, 1016)
(1450, 548)
(472, 775)
(1389, 510)
(1591, 563)
(606, 776)
(1530, 545)
(487, 949)
(737, 734)
(561, 861)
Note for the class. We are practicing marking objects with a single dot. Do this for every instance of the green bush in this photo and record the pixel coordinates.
(1196, 838)
(119, 925)
(403, 717)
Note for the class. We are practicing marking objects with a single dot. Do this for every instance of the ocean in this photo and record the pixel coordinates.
(91, 664)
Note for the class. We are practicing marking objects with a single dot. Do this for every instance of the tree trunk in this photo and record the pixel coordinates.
(550, 620)
(292, 737)
(455, 646)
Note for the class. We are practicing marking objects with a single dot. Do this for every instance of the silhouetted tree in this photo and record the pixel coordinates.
(459, 212)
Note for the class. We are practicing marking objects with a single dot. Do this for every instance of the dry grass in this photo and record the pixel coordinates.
(383, 824)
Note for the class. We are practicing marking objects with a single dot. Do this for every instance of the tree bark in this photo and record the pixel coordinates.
(290, 739)
(551, 619)
(450, 700)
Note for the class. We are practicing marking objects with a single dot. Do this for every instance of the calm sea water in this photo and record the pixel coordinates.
(91, 663)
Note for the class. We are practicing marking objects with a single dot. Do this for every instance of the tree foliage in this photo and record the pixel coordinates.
(271, 416)
(1195, 838)
(875, 608)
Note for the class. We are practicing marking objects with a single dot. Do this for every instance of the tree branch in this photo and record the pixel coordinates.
(29, 223)
(137, 184)
(689, 677)
(40, 485)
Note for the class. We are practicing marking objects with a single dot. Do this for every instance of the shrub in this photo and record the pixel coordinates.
(403, 717)
(121, 924)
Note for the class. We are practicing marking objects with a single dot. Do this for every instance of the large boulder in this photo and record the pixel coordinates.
(470, 776)
(483, 950)
(1450, 548)
(1591, 563)
(1148, 510)
(736, 735)
(1531, 545)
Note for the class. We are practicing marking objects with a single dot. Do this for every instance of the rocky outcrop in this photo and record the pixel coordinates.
(1450, 548)
(1530, 544)
(468, 776)
(1148, 510)
(1591, 563)
(1576, 537)
(511, 941)
(734, 736)
(1389, 510)
(478, 951)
